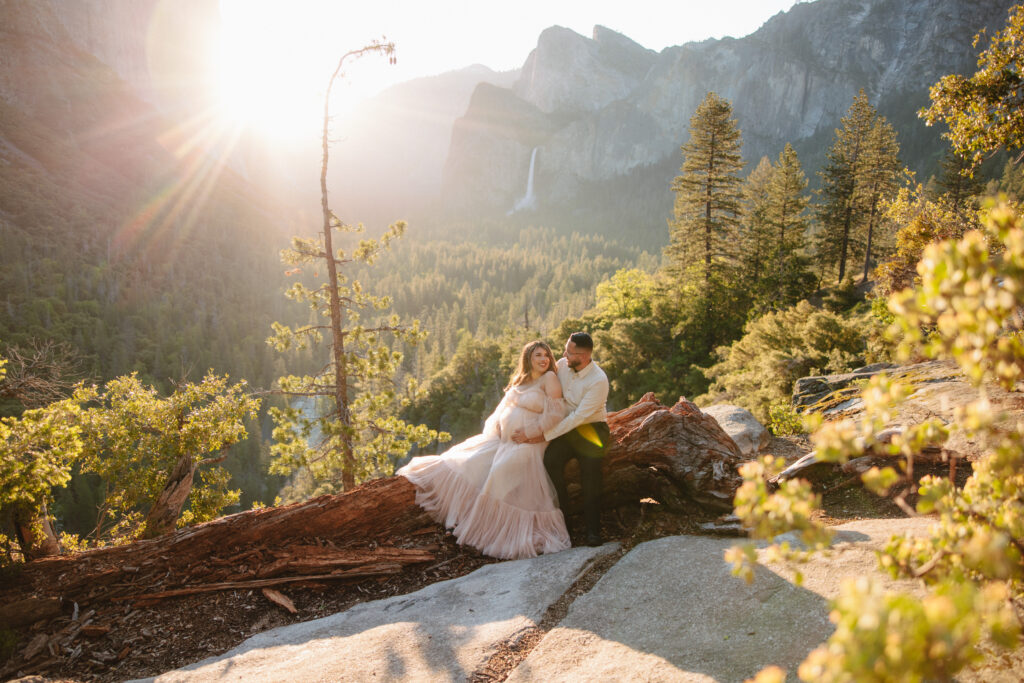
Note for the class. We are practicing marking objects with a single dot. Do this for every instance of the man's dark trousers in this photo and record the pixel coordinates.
(588, 448)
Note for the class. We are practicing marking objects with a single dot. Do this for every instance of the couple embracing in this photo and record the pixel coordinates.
(500, 491)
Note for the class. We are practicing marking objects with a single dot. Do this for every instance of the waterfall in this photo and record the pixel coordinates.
(529, 200)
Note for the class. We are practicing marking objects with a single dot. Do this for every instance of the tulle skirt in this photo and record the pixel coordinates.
(495, 496)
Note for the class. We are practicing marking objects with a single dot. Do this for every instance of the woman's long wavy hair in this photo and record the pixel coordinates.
(522, 373)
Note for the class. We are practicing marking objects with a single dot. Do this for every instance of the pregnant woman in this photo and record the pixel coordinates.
(492, 492)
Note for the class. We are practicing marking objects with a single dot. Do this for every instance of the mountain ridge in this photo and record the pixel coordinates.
(789, 81)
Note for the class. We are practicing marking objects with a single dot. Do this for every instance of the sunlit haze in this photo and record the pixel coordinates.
(276, 57)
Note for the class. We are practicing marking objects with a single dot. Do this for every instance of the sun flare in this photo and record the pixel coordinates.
(275, 64)
(266, 83)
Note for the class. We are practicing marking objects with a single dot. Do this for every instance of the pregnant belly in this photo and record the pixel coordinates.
(517, 419)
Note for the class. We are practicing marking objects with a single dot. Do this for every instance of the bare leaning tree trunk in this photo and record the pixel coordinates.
(163, 516)
(165, 511)
(340, 397)
(871, 231)
(340, 393)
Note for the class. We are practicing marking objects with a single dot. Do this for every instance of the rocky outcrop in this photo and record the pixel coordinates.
(741, 426)
(613, 110)
(669, 610)
(809, 391)
(443, 632)
(939, 389)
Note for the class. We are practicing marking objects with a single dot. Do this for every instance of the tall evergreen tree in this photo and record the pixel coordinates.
(839, 211)
(957, 181)
(703, 257)
(881, 170)
(757, 233)
(709, 194)
(787, 203)
(861, 168)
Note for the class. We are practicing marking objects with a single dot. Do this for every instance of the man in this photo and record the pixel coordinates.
(583, 434)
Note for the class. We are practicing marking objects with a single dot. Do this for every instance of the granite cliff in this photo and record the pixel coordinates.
(609, 115)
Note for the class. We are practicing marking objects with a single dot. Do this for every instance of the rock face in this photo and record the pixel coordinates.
(741, 426)
(612, 64)
(938, 390)
(808, 391)
(669, 610)
(443, 632)
(647, 620)
(611, 110)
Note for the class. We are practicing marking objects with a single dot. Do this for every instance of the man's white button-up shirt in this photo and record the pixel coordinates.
(585, 392)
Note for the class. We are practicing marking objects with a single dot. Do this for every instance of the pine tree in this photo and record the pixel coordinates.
(839, 211)
(787, 214)
(881, 170)
(709, 194)
(344, 424)
(957, 181)
(703, 258)
(757, 233)
(861, 168)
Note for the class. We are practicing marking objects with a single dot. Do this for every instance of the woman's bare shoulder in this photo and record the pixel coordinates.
(551, 385)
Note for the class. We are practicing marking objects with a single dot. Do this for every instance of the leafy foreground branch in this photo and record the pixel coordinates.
(157, 457)
(973, 561)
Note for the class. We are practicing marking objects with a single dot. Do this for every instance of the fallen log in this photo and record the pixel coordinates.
(27, 610)
(384, 569)
(668, 454)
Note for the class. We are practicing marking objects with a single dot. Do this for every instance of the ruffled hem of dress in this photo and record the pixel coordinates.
(507, 532)
(492, 526)
(447, 497)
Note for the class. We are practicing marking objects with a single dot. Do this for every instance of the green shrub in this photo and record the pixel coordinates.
(759, 369)
(783, 419)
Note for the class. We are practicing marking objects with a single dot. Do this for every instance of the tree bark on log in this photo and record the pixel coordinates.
(28, 610)
(669, 454)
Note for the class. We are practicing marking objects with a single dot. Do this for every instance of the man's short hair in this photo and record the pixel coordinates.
(582, 340)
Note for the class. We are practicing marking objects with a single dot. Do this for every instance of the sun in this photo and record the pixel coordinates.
(258, 94)
(275, 61)
(267, 83)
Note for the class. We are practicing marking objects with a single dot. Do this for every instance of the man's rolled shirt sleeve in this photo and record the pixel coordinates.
(595, 397)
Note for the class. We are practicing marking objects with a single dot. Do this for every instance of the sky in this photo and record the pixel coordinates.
(277, 55)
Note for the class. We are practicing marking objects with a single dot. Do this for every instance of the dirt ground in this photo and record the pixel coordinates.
(119, 641)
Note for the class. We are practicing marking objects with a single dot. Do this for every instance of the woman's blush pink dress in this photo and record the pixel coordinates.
(492, 492)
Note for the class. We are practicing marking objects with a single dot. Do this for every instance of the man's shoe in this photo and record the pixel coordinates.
(594, 540)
